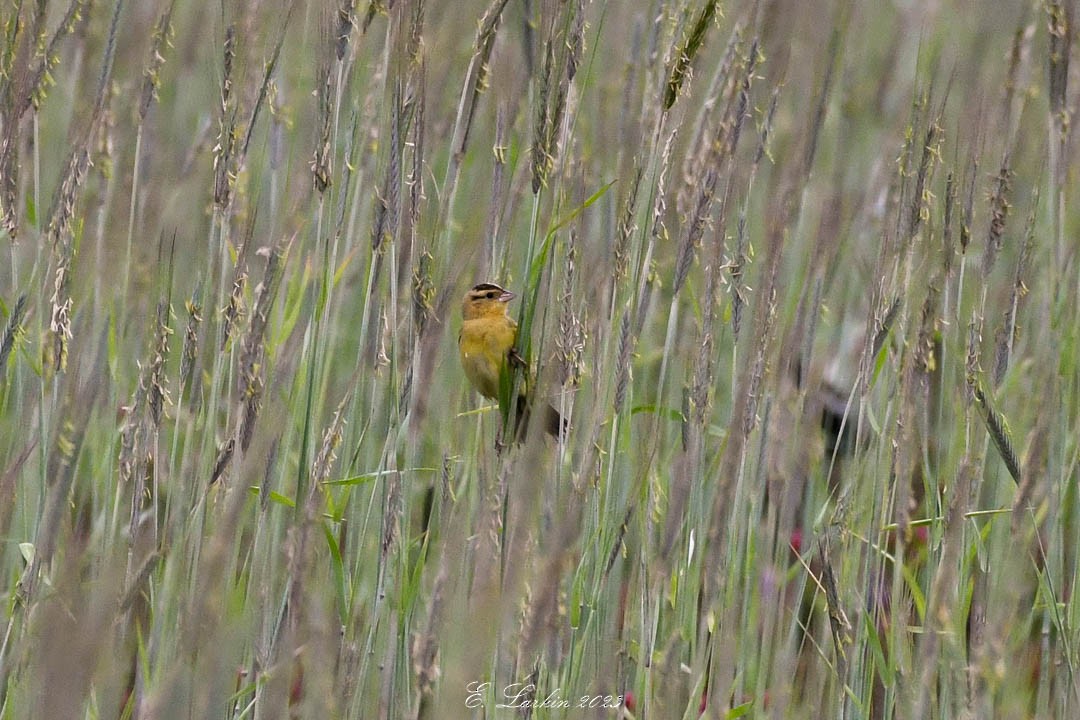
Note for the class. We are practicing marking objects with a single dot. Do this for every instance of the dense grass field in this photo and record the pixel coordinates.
(803, 277)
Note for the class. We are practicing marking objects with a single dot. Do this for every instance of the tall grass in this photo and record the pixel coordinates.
(799, 275)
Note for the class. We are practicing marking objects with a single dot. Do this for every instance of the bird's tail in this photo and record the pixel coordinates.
(553, 423)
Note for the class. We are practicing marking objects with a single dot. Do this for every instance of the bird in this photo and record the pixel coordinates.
(486, 344)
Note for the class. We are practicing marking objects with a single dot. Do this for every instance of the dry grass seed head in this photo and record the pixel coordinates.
(161, 38)
(415, 178)
(765, 131)
(921, 196)
(478, 67)
(695, 230)
(576, 42)
(742, 105)
(224, 457)
(49, 59)
(736, 267)
(415, 44)
(12, 331)
(190, 351)
(324, 461)
(999, 212)
(1006, 334)
(706, 137)
(541, 157)
(998, 429)
(700, 393)
(159, 392)
(947, 222)
(627, 225)
(61, 241)
(757, 374)
(234, 309)
(570, 340)
(225, 147)
(322, 162)
(346, 20)
(971, 363)
(253, 348)
(683, 56)
(387, 201)
(423, 292)
(622, 367)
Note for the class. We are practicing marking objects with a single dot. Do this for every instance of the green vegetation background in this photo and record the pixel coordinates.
(241, 473)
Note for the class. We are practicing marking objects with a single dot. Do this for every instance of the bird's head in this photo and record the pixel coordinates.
(485, 300)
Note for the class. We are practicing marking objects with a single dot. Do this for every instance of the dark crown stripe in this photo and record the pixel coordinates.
(484, 287)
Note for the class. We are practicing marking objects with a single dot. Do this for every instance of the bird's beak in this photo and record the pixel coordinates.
(507, 296)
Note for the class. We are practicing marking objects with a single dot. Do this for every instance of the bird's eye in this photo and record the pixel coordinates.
(491, 295)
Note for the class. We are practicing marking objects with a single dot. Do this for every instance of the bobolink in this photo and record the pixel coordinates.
(486, 344)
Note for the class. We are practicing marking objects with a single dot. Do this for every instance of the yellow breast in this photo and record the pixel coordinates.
(484, 344)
